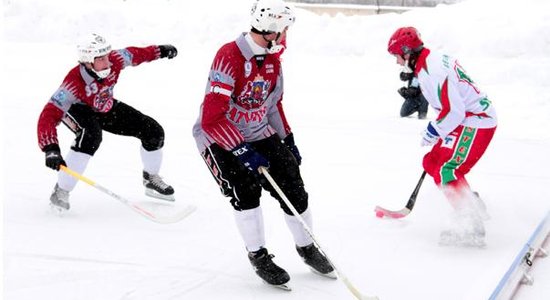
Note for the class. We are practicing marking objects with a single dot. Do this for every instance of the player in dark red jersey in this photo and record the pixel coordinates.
(86, 105)
(242, 126)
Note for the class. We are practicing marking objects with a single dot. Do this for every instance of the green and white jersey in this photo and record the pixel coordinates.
(452, 94)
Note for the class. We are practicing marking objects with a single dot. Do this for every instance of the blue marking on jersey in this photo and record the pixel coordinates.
(127, 56)
(59, 98)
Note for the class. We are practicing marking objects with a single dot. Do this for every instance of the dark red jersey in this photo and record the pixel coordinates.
(80, 87)
(242, 101)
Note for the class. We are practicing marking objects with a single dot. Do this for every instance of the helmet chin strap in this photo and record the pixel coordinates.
(98, 75)
(406, 67)
(272, 46)
(103, 73)
(411, 62)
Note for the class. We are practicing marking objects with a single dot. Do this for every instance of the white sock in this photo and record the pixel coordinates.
(77, 161)
(250, 223)
(301, 237)
(151, 160)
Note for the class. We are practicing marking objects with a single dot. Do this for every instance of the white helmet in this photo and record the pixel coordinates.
(91, 47)
(271, 16)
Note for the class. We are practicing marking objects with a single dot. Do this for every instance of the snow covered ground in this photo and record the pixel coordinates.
(342, 103)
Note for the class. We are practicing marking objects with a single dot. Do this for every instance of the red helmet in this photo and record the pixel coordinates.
(404, 41)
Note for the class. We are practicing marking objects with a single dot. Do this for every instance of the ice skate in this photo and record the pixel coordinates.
(267, 270)
(462, 239)
(59, 200)
(467, 231)
(155, 187)
(481, 207)
(422, 115)
(316, 261)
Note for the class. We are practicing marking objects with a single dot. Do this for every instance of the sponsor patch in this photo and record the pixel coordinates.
(126, 54)
(59, 98)
(449, 142)
(217, 77)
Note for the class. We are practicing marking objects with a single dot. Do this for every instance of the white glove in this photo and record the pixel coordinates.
(429, 136)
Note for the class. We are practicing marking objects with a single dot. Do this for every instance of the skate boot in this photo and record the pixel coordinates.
(422, 115)
(317, 262)
(468, 231)
(59, 200)
(267, 270)
(481, 207)
(157, 188)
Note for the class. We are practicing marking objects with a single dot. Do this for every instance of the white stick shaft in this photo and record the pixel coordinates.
(140, 210)
(342, 277)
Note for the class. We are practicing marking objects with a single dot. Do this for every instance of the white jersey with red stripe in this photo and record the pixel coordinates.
(242, 101)
(452, 94)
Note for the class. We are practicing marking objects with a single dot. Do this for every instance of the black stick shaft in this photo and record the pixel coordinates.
(412, 199)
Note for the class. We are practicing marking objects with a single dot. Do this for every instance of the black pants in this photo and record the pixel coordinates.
(245, 187)
(122, 119)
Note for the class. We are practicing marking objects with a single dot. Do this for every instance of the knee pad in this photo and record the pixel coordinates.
(152, 138)
(300, 204)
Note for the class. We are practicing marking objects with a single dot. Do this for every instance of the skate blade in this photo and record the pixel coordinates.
(484, 215)
(284, 286)
(58, 210)
(155, 194)
(331, 275)
(463, 243)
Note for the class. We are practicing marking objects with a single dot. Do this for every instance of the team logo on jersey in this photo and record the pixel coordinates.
(254, 93)
(247, 68)
(104, 100)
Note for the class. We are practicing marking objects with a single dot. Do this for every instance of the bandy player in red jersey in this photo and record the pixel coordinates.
(242, 126)
(462, 131)
(86, 105)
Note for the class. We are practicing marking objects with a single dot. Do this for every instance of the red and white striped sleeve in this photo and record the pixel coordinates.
(53, 111)
(47, 123)
(133, 56)
(214, 120)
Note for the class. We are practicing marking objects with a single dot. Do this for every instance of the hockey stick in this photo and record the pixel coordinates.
(398, 214)
(140, 210)
(342, 277)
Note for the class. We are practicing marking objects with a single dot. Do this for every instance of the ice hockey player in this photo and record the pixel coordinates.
(462, 131)
(414, 100)
(242, 127)
(86, 105)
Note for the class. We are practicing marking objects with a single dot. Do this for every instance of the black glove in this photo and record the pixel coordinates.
(289, 143)
(406, 76)
(53, 158)
(168, 51)
(409, 92)
(251, 159)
